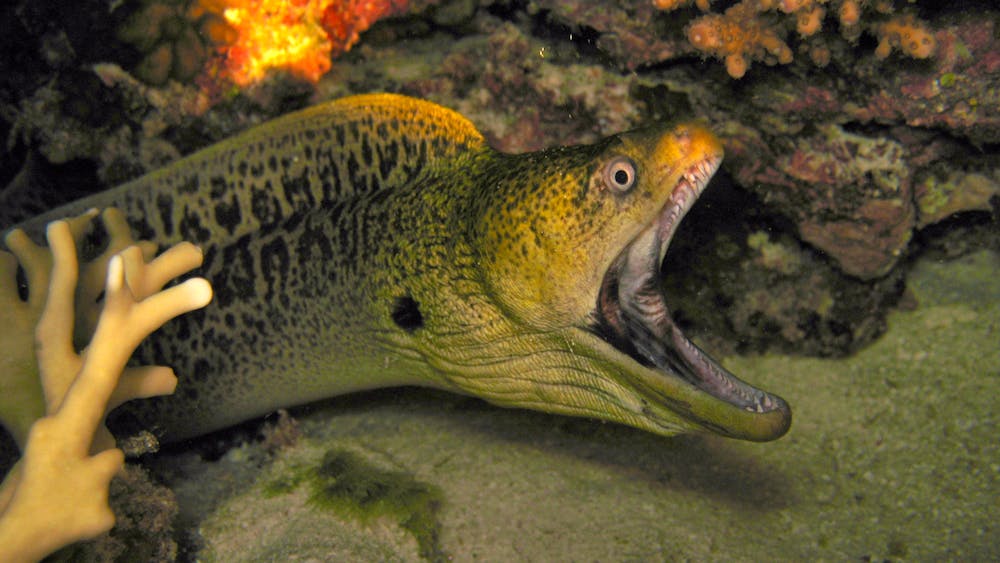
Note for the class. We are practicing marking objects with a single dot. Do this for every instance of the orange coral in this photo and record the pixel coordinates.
(756, 30)
(238, 41)
(736, 36)
(670, 5)
(906, 34)
(794, 6)
(819, 55)
(810, 21)
(850, 13)
(300, 36)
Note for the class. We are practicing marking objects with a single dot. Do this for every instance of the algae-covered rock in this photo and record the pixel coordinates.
(327, 502)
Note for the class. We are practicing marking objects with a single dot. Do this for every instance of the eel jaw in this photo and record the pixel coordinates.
(633, 317)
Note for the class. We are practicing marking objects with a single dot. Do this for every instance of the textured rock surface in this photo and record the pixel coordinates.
(837, 177)
(855, 158)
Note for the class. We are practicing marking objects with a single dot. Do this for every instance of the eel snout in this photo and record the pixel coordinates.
(633, 316)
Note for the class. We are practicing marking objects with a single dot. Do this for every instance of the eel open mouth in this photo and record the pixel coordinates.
(632, 313)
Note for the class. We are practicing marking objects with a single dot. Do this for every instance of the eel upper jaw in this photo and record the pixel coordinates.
(633, 317)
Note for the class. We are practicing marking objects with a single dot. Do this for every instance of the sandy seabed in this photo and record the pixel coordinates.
(893, 454)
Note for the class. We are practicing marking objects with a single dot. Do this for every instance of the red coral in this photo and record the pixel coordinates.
(344, 21)
(299, 36)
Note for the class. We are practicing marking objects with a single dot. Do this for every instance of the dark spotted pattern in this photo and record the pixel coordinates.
(378, 241)
(287, 215)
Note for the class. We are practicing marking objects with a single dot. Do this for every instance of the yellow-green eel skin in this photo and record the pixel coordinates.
(377, 240)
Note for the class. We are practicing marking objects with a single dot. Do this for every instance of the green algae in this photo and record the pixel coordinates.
(347, 484)
(944, 193)
(774, 255)
(282, 485)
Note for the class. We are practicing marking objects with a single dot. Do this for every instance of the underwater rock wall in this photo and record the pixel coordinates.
(857, 133)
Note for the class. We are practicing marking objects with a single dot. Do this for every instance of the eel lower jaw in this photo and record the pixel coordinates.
(632, 315)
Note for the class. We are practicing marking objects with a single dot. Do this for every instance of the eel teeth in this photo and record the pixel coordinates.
(632, 312)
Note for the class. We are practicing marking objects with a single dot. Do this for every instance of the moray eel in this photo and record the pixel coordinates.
(378, 240)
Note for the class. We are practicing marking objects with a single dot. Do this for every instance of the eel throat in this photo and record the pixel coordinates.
(633, 316)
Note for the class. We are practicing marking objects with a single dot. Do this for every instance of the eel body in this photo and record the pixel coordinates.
(377, 240)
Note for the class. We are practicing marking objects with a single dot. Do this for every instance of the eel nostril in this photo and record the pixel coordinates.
(683, 137)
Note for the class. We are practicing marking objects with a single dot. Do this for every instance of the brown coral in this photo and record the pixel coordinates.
(175, 40)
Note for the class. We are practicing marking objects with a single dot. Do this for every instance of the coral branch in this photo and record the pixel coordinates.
(58, 493)
(23, 400)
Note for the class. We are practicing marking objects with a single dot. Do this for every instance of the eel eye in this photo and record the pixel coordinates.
(620, 174)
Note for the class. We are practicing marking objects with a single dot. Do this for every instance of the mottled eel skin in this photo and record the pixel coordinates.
(377, 240)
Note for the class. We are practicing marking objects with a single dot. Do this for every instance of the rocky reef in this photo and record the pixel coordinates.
(841, 158)
(860, 135)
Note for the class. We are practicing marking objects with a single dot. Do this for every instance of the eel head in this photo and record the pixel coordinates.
(632, 315)
(574, 259)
